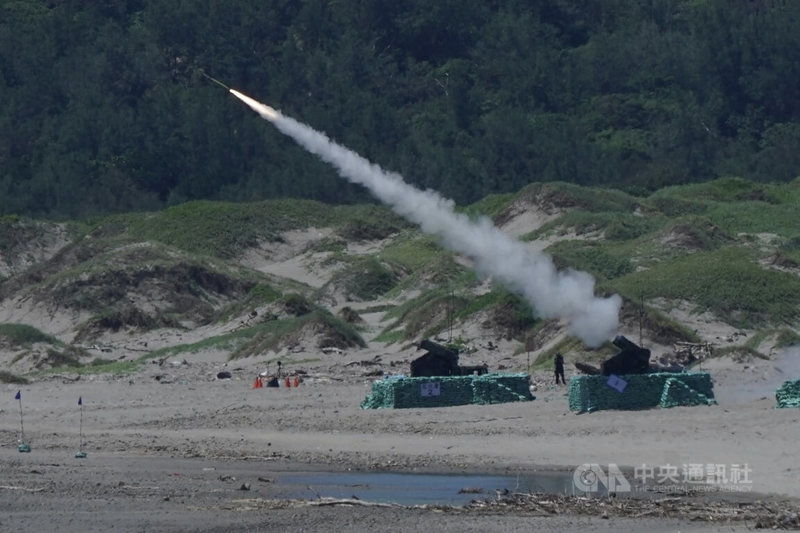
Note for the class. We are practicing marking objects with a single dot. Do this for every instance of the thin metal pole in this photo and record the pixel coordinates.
(21, 425)
(641, 316)
(450, 317)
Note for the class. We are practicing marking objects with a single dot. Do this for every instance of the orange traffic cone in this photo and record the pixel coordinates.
(287, 382)
(257, 383)
(296, 381)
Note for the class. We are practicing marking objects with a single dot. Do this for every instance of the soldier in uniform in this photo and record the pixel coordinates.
(560, 368)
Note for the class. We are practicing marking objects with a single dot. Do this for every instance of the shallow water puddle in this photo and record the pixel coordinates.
(419, 489)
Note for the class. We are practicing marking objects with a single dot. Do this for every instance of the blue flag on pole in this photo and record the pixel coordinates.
(18, 396)
(80, 400)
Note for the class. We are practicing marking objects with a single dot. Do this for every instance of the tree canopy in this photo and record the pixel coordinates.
(105, 108)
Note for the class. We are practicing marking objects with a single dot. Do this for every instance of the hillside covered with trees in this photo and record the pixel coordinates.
(105, 108)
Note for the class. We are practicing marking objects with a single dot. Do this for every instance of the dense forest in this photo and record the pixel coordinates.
(105, 109)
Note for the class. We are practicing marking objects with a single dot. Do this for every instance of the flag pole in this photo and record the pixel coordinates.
(21, 423)
(22, 446)
(81, 454)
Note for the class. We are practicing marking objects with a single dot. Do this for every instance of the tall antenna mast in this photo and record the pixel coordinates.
(641, 316)
(450, 316)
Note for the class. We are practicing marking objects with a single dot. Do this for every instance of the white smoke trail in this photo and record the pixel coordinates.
(567, 294)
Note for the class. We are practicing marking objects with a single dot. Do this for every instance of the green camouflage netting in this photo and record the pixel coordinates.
(789, 394)
(443, 391)
(640, 391)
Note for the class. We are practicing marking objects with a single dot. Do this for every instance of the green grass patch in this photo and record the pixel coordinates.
(390, 336)
(508, 313)
(262, 293)
(228, 342)
(427, 314)
(271, 336)
(757, 217)
(411, 251)
(498, 297)
(595, 257)
(569, 195)
(728, 282)
(221, 229)
(297, 304)
(334, 245)
(104, 366)
(738, 353)
(441, 272)
(97, 366)
(488, 206)
(368, 278)
(734, 205)
(435, 310)
(24, 335)
(786, 337)
(729, 189)
(259, 295)
(8, 377)
(615, 226)
(364, 277)
(369, 223)
(666, 330)
(695, 233)
(783, 337)
(676, 205)
(754, 341)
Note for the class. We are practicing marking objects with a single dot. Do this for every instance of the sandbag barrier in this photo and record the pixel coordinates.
(444, 391)
(640, 391)
(788, 395)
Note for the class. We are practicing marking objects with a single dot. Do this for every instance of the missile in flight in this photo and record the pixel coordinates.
(264, 110)
(215, 81)
(566, 294)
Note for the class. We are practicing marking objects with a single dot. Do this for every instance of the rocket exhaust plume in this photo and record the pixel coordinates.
(568, 294)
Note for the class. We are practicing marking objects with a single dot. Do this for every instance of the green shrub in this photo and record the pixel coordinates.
(24, 335)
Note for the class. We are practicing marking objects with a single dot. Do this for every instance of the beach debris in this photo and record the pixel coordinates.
(762, 514)
(687, 353)
(12, 487)
(332, 349)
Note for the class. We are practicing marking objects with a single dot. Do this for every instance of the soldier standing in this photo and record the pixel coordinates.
(560, 368)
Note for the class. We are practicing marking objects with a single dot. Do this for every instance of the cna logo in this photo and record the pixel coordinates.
(590, 477)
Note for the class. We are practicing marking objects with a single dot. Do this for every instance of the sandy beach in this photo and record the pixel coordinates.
(176, 449)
